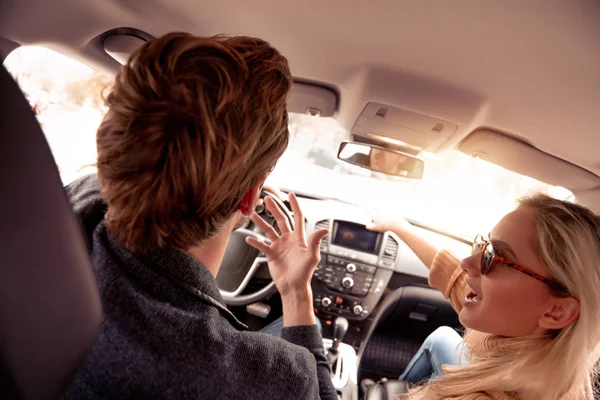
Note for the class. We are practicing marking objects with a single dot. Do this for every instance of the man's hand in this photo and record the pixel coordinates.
(292, 260)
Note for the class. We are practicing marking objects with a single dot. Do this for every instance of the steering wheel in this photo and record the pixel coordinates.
(241, 261)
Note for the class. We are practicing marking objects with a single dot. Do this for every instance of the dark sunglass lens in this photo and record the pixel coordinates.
(486, 259)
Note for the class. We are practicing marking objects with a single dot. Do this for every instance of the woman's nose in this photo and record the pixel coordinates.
(472, 264)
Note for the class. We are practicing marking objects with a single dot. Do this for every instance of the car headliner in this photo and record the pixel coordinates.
(526, 68)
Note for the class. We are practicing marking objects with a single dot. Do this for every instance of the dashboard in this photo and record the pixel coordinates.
(356, 264)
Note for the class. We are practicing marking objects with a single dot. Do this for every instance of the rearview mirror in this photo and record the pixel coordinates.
(380, 159)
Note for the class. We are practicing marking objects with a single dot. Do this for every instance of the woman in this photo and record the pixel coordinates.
(529, 299)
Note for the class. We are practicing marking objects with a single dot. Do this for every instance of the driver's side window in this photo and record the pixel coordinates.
(66, 97)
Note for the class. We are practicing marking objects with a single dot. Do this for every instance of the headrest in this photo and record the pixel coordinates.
(50, 311)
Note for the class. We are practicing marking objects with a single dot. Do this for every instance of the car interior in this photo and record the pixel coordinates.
(441, 112)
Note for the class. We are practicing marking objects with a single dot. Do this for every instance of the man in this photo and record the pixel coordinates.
(194, 126)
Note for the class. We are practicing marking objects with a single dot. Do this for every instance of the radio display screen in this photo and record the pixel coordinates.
(356, 237)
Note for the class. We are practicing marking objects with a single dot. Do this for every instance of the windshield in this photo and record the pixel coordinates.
(458, 194)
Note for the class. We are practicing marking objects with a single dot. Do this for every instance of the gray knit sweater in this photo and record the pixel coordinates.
(167, 334)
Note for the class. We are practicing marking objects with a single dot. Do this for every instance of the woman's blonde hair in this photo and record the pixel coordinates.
(559, 365)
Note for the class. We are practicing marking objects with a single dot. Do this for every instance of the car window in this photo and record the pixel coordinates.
(66, 96)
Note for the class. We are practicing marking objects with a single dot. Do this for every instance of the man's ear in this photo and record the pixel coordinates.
(564, 313)
(250, 199)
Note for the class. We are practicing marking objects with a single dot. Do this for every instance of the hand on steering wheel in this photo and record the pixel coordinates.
(275, 190)
(291, 258)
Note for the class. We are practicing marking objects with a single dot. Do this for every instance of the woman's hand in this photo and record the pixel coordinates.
(292, 259)
(405, 231)
(383, 222)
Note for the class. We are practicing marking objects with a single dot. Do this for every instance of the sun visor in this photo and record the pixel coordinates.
(525, 159)
(405, 126)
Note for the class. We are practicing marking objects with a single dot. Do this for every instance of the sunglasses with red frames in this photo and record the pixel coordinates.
(490, 258)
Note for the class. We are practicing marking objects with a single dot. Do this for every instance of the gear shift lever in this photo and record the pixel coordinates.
(340, 327)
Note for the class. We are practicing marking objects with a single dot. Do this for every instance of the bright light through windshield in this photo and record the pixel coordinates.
(458, 193)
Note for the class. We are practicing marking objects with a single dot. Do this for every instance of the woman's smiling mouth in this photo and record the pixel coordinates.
(473, 296)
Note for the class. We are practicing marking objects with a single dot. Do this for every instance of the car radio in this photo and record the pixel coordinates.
(346, 276)
(348, 280)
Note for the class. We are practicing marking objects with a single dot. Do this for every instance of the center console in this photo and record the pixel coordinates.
(345, 371)
(356, 266)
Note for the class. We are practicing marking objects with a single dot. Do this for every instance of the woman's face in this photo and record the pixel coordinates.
(508, 302)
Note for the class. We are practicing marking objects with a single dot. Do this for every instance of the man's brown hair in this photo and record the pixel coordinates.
(193, 124)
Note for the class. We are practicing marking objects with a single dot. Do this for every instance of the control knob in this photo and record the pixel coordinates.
(347, 282)
(351, 268)
(326, 302)
(357, 309)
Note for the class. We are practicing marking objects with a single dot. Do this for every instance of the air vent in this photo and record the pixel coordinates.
(324, 225)
(390, 251)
